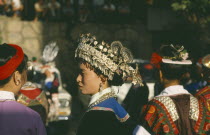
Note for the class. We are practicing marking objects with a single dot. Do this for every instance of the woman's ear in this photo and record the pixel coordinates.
(17, 77)
(103, 79)
(161, 76)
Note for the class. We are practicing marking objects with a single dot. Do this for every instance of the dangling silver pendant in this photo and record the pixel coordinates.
(100, 87)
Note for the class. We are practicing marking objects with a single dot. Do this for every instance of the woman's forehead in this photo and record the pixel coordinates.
(85, 64)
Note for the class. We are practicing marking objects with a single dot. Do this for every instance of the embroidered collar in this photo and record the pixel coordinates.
(6, 95)
(98, 95)
(173, 90)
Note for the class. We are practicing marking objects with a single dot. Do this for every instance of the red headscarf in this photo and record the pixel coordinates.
(11, 65)
(156, 59)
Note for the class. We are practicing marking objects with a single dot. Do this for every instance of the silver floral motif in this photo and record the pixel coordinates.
(105, 50)
(100, 47)
(128, 57)
(103, 43)
(206, 61)
(194, 108)
(184, 55)
(95, 42)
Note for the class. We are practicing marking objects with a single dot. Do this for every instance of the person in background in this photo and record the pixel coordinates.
(102, 66)
(203, 93)
(68, 11)
(32, 96)
(108, 11)
(96, 9)
(174, 110)
(193, 81)
(52, 81)
(132, 97)
(54, 10)
(109, 7)
(8, 8)
(83, 13)
(15, 118)
(40, 10)
(17, 8)
(124, 11)
(2, 6)
(28, 12)
(68, 15)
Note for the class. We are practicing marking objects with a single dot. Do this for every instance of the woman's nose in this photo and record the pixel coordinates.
(79, 78)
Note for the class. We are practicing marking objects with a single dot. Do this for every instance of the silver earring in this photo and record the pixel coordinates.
(18, 82)
(100, 87)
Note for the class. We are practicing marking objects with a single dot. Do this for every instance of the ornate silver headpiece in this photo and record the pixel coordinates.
(206, 61)
(109, 59)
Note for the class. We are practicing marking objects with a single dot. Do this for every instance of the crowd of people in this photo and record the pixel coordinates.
(126, 108)
(119, 103)
(65, 10)
(10, 7)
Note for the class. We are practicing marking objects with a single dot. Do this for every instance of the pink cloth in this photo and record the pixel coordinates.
(17, 119)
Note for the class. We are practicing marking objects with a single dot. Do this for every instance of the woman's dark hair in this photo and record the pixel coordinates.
(167, 51)
(6, 53)
(173, 71)
(30, 74)
(206, 73)
(117, 79)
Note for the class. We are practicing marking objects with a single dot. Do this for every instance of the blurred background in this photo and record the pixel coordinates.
(141, 25)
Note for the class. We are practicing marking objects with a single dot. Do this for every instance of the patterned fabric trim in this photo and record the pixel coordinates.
(202, 91)
(109, 109)
(170, 106)
(41, 99)
(159, 119)
(123, 119)
(194, 108)
(202, 125)
(100, 108)
(199, 122)
(204, 94)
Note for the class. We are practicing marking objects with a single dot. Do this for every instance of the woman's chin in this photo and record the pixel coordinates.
(83, 92)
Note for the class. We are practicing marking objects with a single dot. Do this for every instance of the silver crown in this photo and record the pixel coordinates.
(109, 59)
(206, 61)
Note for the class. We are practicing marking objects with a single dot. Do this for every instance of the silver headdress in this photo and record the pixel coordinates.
(206, 61)
(109, 59)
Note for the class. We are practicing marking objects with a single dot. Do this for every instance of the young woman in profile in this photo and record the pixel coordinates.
(101, 66)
